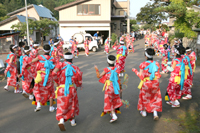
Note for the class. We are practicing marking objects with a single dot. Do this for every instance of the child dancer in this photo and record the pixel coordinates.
(68, 77)
(26, 74)
(107, 45)
(54, 51)
(122, 53)
(44, 87)
(86, 46)
(74, 48)
(109, 77)
(33, 54)
(11, 69)
(165, 59)
(176, 81)
(150, 100)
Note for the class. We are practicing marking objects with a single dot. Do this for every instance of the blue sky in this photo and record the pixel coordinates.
(135, 6)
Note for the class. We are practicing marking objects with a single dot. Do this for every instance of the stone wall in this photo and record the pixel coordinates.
(192, 43)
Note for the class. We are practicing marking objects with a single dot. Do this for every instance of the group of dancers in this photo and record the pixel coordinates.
(39, 74)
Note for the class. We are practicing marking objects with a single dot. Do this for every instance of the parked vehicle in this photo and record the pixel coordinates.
(80, 37)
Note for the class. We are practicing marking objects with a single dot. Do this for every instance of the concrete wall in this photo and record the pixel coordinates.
(70, 14)
(31, 13)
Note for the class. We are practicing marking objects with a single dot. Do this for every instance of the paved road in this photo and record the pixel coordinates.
(17, 115)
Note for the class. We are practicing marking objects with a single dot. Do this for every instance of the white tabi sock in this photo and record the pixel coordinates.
(155, 113)
(73, 121)
(114, 116)
(62, 120)
(38, 105)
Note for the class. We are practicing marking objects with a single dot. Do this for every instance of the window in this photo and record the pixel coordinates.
(121, 13)
(88, 10)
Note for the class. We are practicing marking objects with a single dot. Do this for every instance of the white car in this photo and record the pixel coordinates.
(80, 37)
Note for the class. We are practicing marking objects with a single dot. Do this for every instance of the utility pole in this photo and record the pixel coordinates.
(128, 13)
(27, 24)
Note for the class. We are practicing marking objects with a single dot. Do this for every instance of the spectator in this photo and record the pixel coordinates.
(71, 40)
(51, 42)
(59, 37)
(96, 34)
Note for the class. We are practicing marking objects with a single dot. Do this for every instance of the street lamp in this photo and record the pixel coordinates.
(27, 23)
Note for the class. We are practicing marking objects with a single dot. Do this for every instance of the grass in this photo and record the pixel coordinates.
(198, 61)
(190, 122)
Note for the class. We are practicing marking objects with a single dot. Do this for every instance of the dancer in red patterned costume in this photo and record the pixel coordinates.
(188, 73)
(109, 77)
(107, 44)
(86, 46)
(150, 100)
(68, 77)
(26, 74)
(175, 84)
(165, 59)
(192, 56)
(11, 69)
(54, 51)
(74, 48)
(33, 54)
(122, 53)
(44, 87)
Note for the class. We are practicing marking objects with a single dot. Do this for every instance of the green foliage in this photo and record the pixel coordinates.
(133, 22)
(2, 13)
(186, 18)
(163, 26)
(43, 26)
(149, 15)
(135, 27)
(114, 38)
(148, 26)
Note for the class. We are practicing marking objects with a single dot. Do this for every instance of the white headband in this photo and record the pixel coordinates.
(68, 56)
(175, 41)
(56, 43)
(180, 40)
(188, 50)
(147, 55)
(46, 51)
(110, 62)
(15, 46)
(27, 50)
(36, 44)
(176, 51)
(121, 42)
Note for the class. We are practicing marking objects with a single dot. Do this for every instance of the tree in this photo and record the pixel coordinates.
(186, 18)
(43, 26)
(135, 27)
(149, 15)
(2, 12)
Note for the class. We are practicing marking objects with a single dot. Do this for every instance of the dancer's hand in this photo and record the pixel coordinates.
(96, 68)
(5, 73)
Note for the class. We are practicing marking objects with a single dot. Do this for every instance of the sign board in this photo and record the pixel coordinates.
(198, 39)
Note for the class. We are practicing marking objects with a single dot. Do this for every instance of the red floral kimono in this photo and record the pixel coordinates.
(55, 55)
(86, 45)
(67, 106)
(192, 62)
(120, 61)
(107, 46)
(11, 70)
(43, 93)
(74, 48)
(60, 49)
(164, 60)
(27, 74)
(188, 74)
(33, 55)
(150, 96)
(111, 100)
(174, 89)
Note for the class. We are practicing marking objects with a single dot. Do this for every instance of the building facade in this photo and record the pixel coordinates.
(90, 16)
